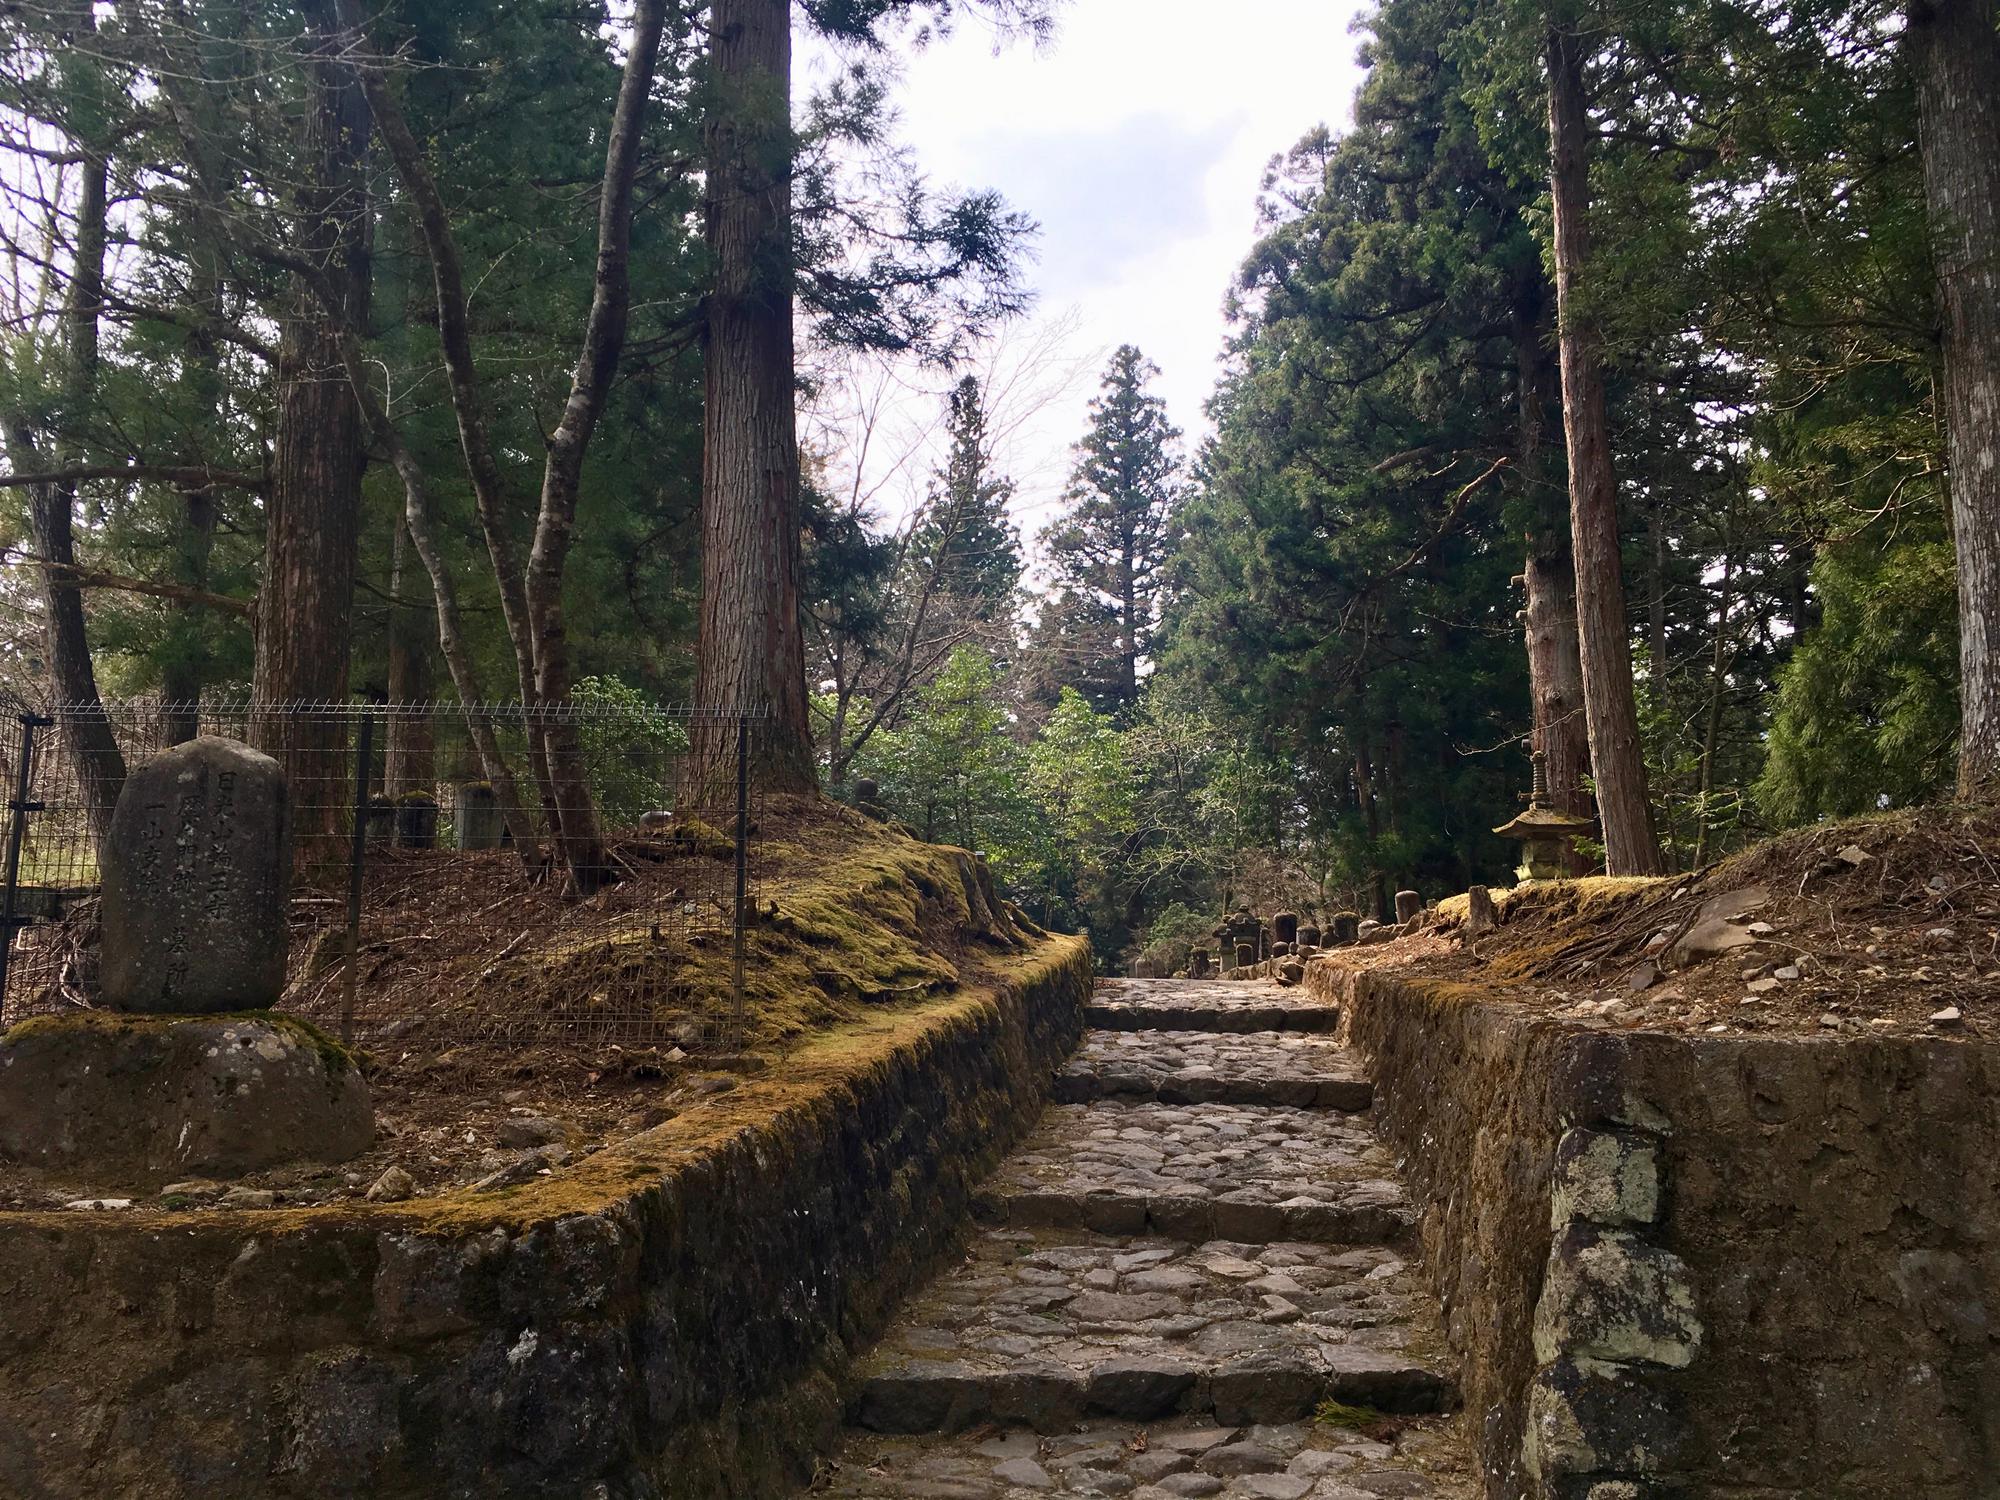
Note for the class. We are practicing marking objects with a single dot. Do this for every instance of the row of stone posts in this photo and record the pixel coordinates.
(1247, 946)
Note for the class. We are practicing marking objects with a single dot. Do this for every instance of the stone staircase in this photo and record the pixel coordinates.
(1199, 1252)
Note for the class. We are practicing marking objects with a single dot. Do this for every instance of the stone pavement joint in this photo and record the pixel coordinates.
(1225, 1006)
(1301, 1070)
(1044, 1329)
(1204, 1172)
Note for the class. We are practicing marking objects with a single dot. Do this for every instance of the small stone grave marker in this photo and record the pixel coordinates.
(197, 877)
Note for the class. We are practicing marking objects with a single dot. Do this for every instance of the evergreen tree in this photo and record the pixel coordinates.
(1108, 552)
(965, 544)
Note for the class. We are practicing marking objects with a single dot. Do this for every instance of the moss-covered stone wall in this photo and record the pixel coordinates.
(1700, 1266)
(667, 1321)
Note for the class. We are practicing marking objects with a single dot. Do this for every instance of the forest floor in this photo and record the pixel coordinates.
(1888, 924)
(509, 1032)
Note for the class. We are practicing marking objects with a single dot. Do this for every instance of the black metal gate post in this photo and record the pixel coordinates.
(17, 832)
(736, 1007)
(364, 746)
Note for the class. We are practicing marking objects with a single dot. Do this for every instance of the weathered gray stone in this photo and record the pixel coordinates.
(1274, 1486)
(1023, 1473)
(1609, 1177)
(1480, 914)
(1610, 1296)
(1245, 1457)
(476, 820)
(1409, 906)
(528, 1131)
(148, 1099)
(393, 1186)
(1138, 1388)
(197, 876)
(1585, 1417)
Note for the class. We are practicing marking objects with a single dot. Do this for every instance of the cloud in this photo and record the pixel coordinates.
(1136, 139)
(1108, 197)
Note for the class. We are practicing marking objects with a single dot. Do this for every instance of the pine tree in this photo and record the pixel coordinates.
(965, 537)
(1107, 553)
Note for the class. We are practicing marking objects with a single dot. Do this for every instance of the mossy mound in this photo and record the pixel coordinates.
(849, 915)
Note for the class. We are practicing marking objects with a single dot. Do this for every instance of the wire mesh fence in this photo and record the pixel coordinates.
(431, 904)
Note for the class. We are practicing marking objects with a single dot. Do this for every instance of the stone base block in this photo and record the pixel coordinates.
(142, 1100)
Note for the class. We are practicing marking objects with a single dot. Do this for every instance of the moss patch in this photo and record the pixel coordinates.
(336, 1058)
(850, 916)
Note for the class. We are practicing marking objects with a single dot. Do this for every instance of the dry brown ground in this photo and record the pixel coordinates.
(495, 1005)
(1878, 925)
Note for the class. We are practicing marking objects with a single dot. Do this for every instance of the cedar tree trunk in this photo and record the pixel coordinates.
(86, 734)
(1555, 667)
(312, 520)
(1955, 50)
(1610, 713)
(752, 649)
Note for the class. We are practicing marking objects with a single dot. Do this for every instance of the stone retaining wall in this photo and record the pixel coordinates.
(667, 1321)
(1681, 1266)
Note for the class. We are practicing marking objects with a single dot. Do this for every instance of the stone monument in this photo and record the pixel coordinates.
(476, 819)
(183, 1073)
(416, 821)
(1409, 904)
(1285, 928)
(197, 882)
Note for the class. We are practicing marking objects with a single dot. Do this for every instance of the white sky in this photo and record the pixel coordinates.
(1136, 140)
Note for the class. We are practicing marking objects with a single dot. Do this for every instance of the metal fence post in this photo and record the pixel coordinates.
(17, 831)
(736, 1006)
(357, 854)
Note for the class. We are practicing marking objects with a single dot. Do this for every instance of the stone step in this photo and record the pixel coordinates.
(1215, 1171)
(1183, 1456)
(1225, 1005)
(1044, 1330)
(1299, 1070)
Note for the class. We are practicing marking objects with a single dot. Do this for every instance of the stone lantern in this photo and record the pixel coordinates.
(1546, 834)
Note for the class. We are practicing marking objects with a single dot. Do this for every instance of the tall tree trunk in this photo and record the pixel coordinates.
(1364, 796)
(1718, 673)
(1128, 623)
(577, 835)
(1610, 713)
(489, 488)
(1555, 667)
(452, 643)
(186, 670)
(409, 761)
(1956, 53)
(752, 648)
(86, 733)
(312, 519)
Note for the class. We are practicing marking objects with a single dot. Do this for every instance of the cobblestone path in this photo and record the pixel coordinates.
(1196, 1255)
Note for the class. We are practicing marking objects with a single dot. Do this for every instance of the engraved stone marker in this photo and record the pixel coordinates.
(197, 877)
(477, 821)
